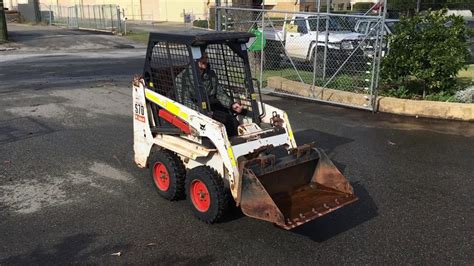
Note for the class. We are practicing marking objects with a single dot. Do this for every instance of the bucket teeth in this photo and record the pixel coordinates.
(294, 189)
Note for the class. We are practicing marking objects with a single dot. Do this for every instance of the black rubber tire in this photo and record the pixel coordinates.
(219, 195)
(319, 62)
(272, 58)
(176, 172)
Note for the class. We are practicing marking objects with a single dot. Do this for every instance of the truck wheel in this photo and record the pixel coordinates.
(319, 62)
(206, 194)
(168, 173)
(272, 57)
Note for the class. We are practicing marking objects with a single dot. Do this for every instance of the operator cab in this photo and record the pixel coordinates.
(209, 72)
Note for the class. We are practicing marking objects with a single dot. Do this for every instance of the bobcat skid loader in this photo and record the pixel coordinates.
(196, 146)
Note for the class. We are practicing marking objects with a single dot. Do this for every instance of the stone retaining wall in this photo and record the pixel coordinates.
(432, 109)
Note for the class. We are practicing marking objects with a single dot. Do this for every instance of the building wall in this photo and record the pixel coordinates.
(172, 10)
(149, 10)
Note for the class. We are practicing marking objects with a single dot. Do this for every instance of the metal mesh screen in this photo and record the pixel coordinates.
(171, 73)
(230, 70)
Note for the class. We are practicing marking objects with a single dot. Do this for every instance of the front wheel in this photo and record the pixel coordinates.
(168, 173)
(318, 68)
(206, 194)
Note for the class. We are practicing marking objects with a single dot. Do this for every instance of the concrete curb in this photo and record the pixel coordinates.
(431, 109)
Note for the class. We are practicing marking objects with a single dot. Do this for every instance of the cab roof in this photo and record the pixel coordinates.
(196, 37)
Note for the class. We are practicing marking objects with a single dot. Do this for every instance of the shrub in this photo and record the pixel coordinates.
(465, 96)
(200, 23)
(430, 49)
(362, 6)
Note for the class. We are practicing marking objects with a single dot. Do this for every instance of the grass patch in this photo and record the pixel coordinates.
(289, 73)
(466, 77)
(345, 82)
(138, 36)
(469, 73)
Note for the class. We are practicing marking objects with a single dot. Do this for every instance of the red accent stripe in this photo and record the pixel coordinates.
(174, 120)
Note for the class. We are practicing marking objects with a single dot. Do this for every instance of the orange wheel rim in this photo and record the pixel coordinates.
(161, 177)
(200, 195)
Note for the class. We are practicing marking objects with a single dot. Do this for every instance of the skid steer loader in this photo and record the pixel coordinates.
(197, 146)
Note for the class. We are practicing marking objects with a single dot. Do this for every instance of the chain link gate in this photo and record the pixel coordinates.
(320, 56)
(96, 17)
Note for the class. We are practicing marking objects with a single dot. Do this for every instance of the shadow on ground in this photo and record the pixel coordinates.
(327, 142)
(341, 220)
(79, 248)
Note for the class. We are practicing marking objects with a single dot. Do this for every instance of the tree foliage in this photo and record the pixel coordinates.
(429, 50)
(362, 6)
(409, 6)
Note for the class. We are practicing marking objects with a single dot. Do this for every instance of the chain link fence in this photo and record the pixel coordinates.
(316, 55)
(96, 17)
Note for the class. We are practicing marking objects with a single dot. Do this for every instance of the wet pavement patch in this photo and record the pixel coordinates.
(21, 128)
(124, 46)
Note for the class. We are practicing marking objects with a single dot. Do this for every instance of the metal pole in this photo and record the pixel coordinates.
(226, 20)
(261, 45)
(315, 56)
(103, 16)
(89, 22)
(141, 11)
(218, 25)
(3, 24)
(95, 18)
(373, 92)
(119, 21)
(77, 16)
(326, 43)
(50, 16)
(111, 18)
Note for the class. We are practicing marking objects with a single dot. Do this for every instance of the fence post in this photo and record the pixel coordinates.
(77, 16)
(374, 92)
(111, 18)
(50, 16)
(103, 16)
(95, 19)
(315, 49)
(261, 44)
(218, 25)
(119, 20)
(326, 43)
(3, 24)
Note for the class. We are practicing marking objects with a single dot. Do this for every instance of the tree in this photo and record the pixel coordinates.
(408, 7)
(430, 49)
(3, 24)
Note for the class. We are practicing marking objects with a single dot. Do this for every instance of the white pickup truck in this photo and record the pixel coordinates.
(298, 37)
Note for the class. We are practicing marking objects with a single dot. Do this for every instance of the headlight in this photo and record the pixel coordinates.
(346, 45)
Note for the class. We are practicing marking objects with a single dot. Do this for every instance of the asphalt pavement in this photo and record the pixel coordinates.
(71, 193)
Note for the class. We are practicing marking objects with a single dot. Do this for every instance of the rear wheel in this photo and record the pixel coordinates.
(168, 174)
(206, 194)
(319, 57)
(272, 55)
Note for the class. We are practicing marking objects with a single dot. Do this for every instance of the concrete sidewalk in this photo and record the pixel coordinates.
(152, 26)
(27, 38)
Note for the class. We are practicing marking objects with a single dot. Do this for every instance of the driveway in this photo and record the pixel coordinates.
(70, 192)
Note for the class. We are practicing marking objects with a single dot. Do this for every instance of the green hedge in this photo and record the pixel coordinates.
(362, 6)
(425, 56)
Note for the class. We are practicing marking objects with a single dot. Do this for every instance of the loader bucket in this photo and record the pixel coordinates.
(294, 189)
